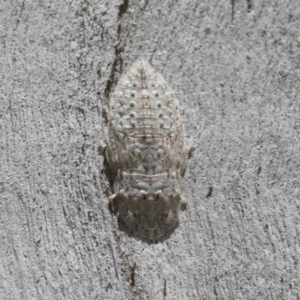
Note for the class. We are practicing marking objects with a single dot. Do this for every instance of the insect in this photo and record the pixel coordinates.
(146, 151)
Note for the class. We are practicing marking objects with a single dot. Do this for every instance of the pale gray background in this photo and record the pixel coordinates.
(239, 83)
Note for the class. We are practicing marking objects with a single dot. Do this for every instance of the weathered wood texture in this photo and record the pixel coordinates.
(239, 81)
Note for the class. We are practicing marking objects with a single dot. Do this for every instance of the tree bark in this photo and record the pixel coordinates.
(234, 66)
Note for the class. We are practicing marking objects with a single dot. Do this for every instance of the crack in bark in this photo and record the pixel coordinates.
(117, 49)
(232, 10)
(249, 6)
(20, 16)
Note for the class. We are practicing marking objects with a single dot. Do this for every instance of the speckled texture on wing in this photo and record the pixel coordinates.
(146, 151)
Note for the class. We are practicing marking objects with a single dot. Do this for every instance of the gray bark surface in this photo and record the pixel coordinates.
(239, 82)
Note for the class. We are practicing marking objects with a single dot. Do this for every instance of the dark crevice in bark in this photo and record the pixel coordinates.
(249, 6)
(232, 10)
(20, 16)
(117, 49)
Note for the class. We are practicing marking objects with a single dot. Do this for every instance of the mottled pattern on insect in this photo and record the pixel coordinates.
(146, 151)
